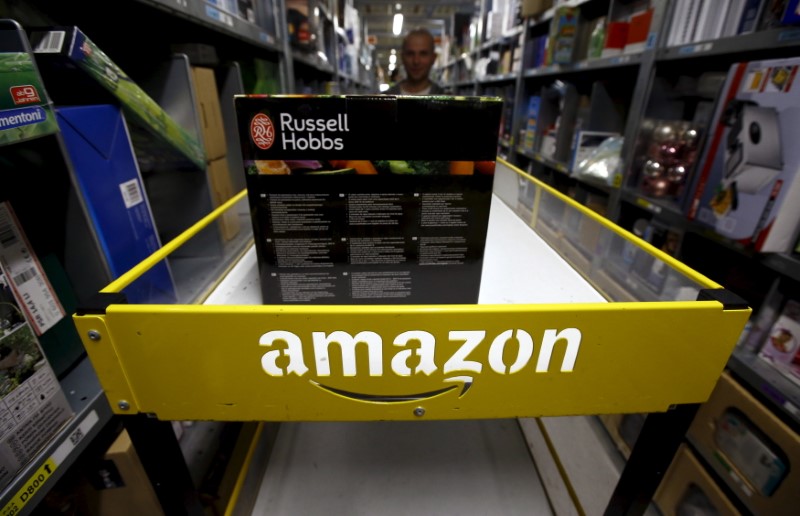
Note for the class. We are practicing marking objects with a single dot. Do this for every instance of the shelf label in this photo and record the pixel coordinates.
(789, 35)
(651, 40)
(29, 489)
(39, 477)
(648, 205)
(217, 15)
(696, 49)
(792, 409)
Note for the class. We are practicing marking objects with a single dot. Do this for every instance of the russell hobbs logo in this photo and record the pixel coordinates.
(300, 133)
(262, 131)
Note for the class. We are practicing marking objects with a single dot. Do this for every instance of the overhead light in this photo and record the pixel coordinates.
(383, 86)
(397, 24)
(398, 6)
(394, 51)
(392, 59)
(392, 66)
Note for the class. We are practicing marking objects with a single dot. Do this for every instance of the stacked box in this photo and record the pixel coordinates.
(213, 132)
(369, 199)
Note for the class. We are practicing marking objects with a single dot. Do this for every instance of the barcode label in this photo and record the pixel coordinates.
(51, 42)
(28, 283)
(7, 235)
(24, 277)
(76, 436)
(131, 193)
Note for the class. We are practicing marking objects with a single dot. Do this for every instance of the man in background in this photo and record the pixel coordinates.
(418, 55)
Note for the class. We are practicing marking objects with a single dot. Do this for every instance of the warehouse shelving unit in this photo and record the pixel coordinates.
(186, 32)
(650, 74)
(202, 21)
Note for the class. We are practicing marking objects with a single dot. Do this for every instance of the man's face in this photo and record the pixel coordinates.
(418, 57)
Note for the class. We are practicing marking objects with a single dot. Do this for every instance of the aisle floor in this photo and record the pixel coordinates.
(478, 467)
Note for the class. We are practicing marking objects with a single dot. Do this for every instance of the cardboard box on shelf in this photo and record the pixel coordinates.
(118, 483)
(534, 7)
(688, 489)
(638, 30)
(749, 447)
(331, 229)
(750, 168)
(219, 178)
(110, 186)
(32, 405)
(210, 112)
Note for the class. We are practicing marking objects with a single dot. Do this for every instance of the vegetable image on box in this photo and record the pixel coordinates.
(271, 167)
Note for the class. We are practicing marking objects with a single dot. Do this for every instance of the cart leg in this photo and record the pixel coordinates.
(162, 459)
(657, 444)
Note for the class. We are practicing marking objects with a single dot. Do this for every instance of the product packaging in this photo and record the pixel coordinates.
(25, 111)
(110, 186)
(32, 405)
(79, 72)
(563, 35)
(369, 199)
(750, 168)
(781, 348)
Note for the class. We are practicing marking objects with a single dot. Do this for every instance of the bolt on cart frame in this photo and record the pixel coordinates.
(359, 363)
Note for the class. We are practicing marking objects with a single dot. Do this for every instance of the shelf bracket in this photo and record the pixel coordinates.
(99, 302)
(729, 300)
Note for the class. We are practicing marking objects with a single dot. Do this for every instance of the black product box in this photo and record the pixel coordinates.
(369, 199)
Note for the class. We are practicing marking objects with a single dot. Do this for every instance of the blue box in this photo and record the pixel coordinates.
(111, 189)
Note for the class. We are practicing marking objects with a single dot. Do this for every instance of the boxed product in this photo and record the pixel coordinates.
(118, 484)
(749, 447)
(32, 405)
(749, 176)
(79, 72)
(616, 38)
(219, 177)
(563, 36)
(638, 30)
(369, 199)
(532, 116)
(534, 7)
(108, 178)
(25, 112)
(688, 489)
(210, 112)
(782, 346)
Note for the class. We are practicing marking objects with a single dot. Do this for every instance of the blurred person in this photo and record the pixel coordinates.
(418, 55)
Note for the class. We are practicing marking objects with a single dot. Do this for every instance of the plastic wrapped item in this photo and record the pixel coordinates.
(602, 164)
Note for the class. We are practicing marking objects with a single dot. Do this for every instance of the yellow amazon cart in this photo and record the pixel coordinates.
(576, 317)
